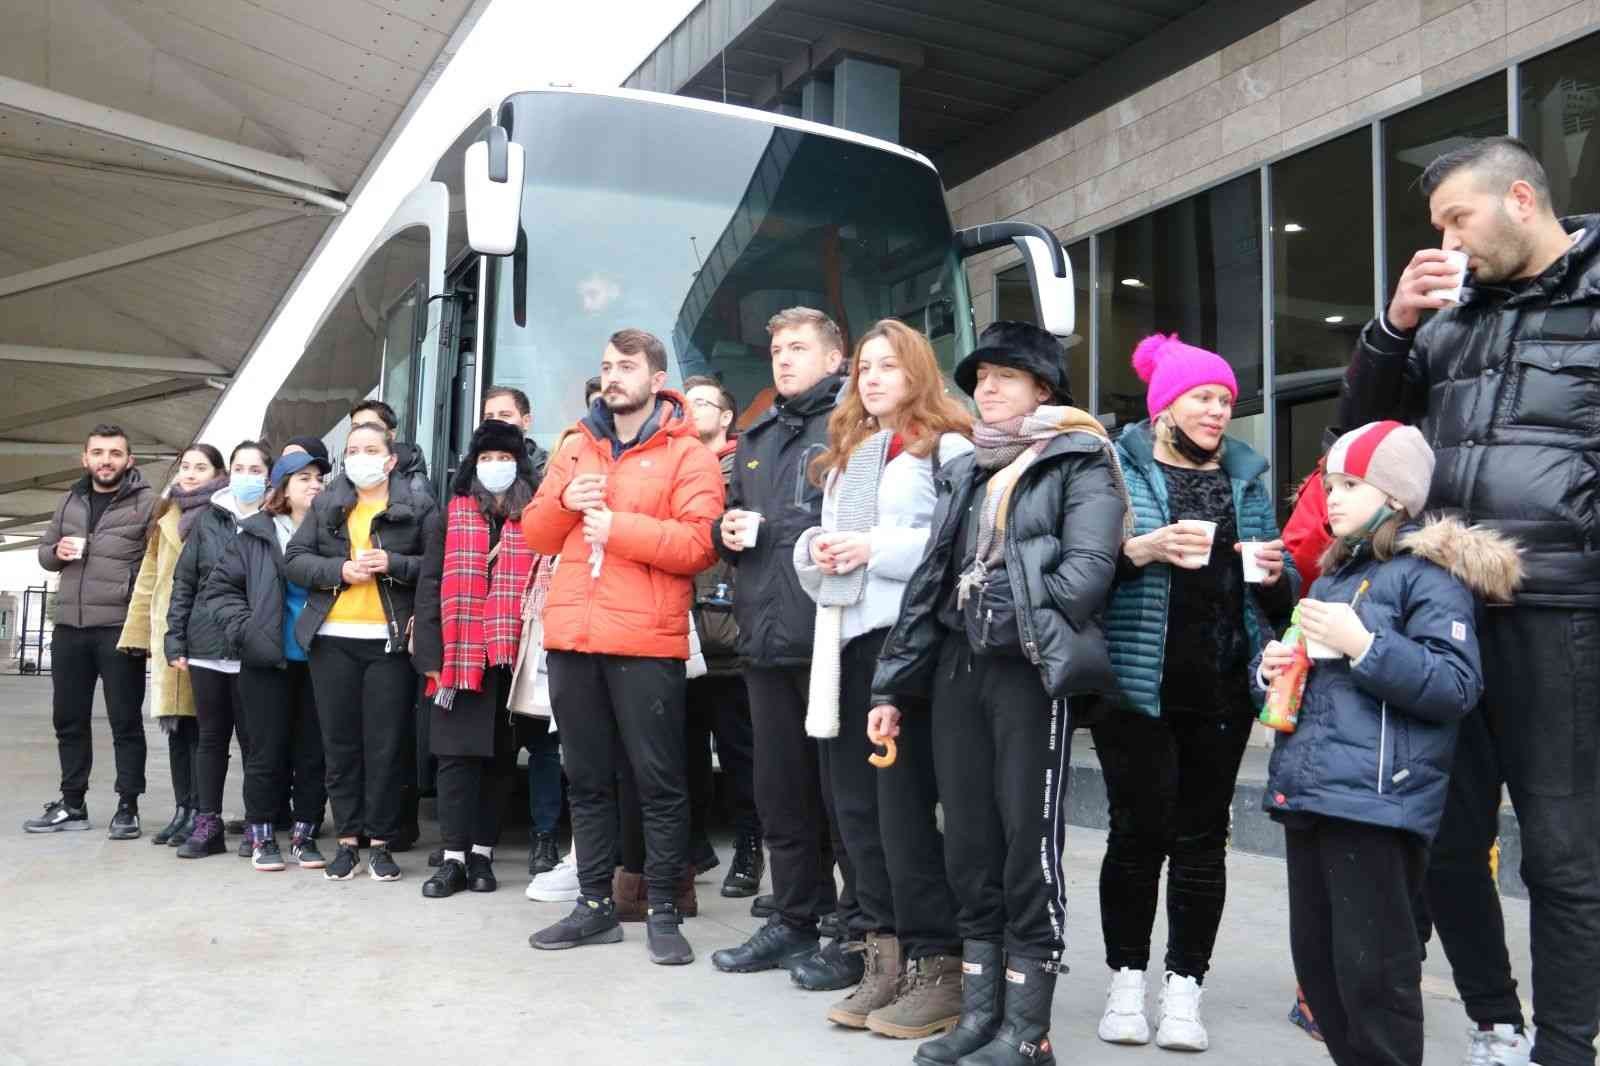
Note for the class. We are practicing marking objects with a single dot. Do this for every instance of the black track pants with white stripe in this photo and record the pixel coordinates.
(1001, 748)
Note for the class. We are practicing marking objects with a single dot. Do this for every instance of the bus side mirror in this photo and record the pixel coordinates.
(493, 180)
(1049, 269)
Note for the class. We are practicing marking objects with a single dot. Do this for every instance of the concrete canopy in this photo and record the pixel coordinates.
(167, 168)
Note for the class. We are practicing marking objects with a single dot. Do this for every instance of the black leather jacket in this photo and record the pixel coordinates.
(1506, 388)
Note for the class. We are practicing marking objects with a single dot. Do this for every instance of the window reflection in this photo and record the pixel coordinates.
(1415, 138)
(1559, 106)
(1194, 269)
(1013, 302)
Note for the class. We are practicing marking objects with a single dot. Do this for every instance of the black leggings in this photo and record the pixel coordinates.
(217, 709)
(181, 744)
(286, 743)
(1169, 782)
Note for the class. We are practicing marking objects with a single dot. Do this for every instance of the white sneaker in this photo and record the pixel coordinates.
(1500, 1046)
(559, 885)
(1181, 1028)
(1124, 1021)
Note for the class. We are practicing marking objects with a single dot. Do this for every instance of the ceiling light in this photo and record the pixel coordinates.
(1334, 320)
(1133, 283)
(1293, 227)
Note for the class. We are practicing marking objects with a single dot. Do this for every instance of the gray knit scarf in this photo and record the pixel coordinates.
(857, 493)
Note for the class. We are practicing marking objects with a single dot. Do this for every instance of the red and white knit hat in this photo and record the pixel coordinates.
(1391, 457)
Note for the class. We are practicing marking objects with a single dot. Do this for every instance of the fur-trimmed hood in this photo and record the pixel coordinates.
(1487, 562)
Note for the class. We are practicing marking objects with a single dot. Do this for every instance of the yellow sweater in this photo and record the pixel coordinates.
(359, 604)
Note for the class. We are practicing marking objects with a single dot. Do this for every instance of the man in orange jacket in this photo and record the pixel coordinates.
(627, 502)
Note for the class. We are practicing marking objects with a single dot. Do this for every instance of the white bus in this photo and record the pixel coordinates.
(568, 214)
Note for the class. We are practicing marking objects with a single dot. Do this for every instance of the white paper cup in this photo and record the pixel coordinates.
(77, 544)
(1195, 560)
(1458, 260)
(1254, 572)
(1318, 650)
(750, 528)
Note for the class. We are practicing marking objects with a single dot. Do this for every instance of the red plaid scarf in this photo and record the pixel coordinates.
(481, 608)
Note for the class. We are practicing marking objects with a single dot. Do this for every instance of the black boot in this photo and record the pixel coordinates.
(543, 855)
(1024, 1036)
(164, 834)
(981, 981)
(181, 834)
(839, 965)
(749, 863)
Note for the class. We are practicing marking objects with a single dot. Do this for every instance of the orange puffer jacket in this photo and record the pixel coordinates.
(664, 492)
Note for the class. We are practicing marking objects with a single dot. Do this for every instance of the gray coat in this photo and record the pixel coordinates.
(95, 589)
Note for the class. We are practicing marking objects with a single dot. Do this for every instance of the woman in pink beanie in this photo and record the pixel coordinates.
(1183, 625)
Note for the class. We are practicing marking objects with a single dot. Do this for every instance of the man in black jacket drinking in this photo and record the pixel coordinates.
(771, 501)
(1505, 384)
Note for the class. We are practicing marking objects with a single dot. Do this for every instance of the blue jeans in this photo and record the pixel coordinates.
(544, 775)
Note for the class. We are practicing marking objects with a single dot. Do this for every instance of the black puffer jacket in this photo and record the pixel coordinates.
(1506, 388)
(409, 528)
(1065, 531)
(192, 629)
(776, 618)
(245, 593)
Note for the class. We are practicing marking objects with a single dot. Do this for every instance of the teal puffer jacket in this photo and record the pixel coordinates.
(1136, 620)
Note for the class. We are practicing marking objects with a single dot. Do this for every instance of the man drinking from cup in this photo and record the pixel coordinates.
(1505, 385)
(96, 541)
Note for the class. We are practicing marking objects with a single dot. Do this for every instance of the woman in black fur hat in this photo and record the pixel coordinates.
(469, 626)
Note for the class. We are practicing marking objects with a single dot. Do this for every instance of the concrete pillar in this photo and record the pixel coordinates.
(866, 98)
(816, 101)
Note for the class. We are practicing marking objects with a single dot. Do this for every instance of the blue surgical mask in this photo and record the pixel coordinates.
(496, 475)
(248, 488)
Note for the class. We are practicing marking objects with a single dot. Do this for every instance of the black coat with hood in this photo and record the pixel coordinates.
(409, 528)
(1506, 389)
(192, 629)
(1068, 516)
(246, 593)
(777, 620)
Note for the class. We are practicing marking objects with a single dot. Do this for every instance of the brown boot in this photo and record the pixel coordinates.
(687, 902)
(929, 1001)
(627, 894)
(878, 982)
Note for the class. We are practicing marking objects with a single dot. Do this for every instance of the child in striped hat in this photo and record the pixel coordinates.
(1360, 784)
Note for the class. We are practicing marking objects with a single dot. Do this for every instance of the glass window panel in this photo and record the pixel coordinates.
(1559, 106)
(1412, 140)
(1013, 302)
(1321, 258)
(1194, 269)
(399, 350)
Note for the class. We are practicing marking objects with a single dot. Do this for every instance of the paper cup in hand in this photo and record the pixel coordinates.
(1196, 560)
(1318, 650)
(1249, 553)
(750, 528)
(1458, 263)
(76, 545)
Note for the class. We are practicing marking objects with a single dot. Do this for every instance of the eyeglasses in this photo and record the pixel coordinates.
(702, 402)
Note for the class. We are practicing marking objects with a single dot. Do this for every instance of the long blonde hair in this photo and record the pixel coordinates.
(928, 413)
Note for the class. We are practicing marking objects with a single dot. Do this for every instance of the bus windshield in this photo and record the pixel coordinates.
(698, 226)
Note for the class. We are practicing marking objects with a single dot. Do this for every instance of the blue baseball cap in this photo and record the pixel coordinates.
(290, 465)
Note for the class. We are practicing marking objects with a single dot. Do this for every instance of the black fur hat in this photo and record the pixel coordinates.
(1024, 346)
(492, 435)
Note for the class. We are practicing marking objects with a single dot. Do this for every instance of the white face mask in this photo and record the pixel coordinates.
(496, 475)
(365, 471)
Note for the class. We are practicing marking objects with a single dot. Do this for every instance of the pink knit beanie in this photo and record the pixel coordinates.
(1172, 368)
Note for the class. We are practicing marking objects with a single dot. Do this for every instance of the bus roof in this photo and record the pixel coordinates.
(749, 114)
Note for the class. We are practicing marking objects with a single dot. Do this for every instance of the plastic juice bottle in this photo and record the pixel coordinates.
(1282, 711)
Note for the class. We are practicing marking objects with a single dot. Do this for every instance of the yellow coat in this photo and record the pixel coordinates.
(146, 627)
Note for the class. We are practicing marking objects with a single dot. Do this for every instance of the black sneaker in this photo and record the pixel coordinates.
(749, 863)
(58, 818)
(592, 921)
(664, 936)
(703, 856)
(436, 858)
(832, 925)
(381, 865)
(303, 847)
(480, 873)
(447, 880)
(833, 968)
(345, 865)
(773, 945)
(247, 843)
(764, 906)
(266, 857)
(543, 855)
